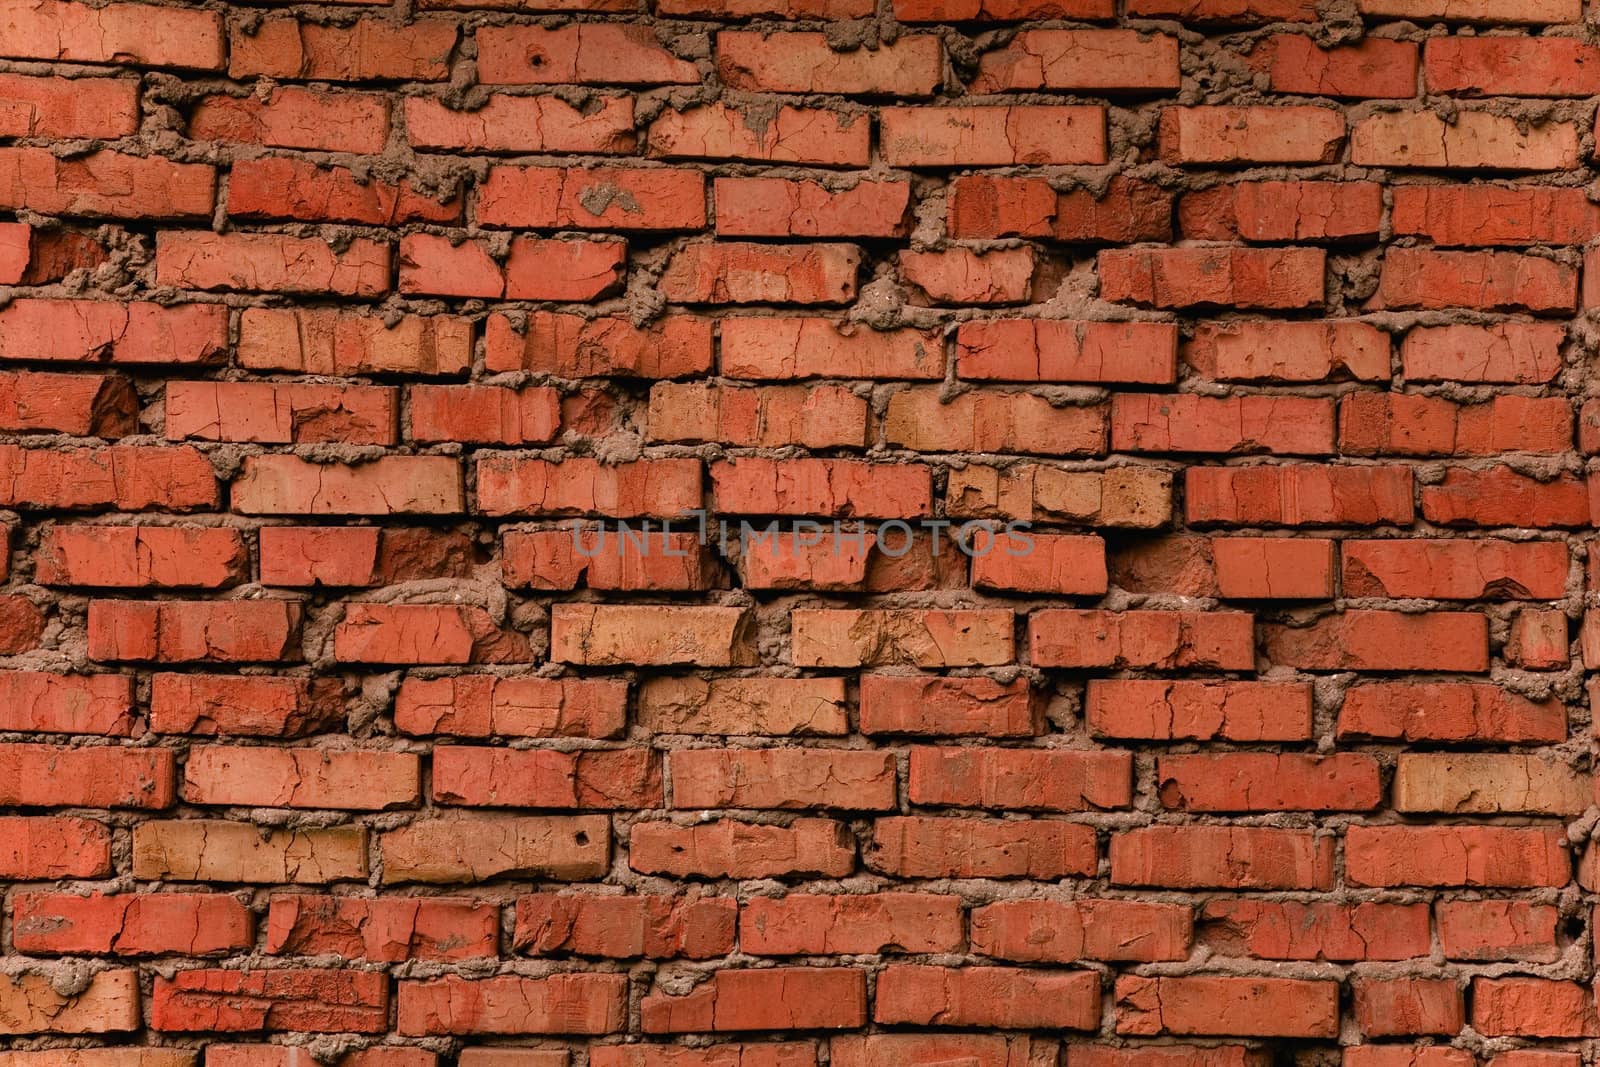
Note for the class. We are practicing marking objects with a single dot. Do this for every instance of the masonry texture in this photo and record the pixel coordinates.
(327, 739)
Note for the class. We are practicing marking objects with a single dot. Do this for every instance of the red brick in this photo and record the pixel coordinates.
(39, 702)
(820, 416)
(646, 635)
(1147, 1055)
(1532, 11)
(931, 638)
(382, 930)
(1246, 135)
(1494, 930)
(1248, 781)
(1512, 66)
(281, 187)
(274, 413)
(1494, 214)
(1472, 140)
(805, 347)
(392, 485)
(1488, 784)
(1539, 640)
(1383, 641)
(292, 117)
(1045, 563)
(517, 486)
(301, 778)
(197, 850)
(586, 53)
(783, 207)
(571, 346)
(1091, 60)
(1244, 12)
(1067, 351)
(1422, 278)
(1147, 422)
(367, 50)
(1046, 931)
(1206, 1004)
(131, 924)
(105, 184)
(598, 559)
(247, 706)
(88, 405)
(1373, 67)
(815, 924)
(1283, 211)
(758, 486)
(1229, 857)
(1410, 425)
(172, 631)
(1195, 710)
(84, 331)
(1444, 711)
(726, 1054)
(523, 124)
(962, 276)
(132, 34)
(486, 706)
(327, 341)
(1020, 779)
(134, 556)
(1160, 640)
(98, 777)
(778, 998)
(1456, 570)
(556, 1004)
(955, 707)
(998, 997)
(424, 633)
(922, 847)
(22, 625)
(746, 273)
(727, 848)
(1501, 496)
(358, 555)
(317, 1001)
(926, 420)
(1533, 1007)
(806, 63)
(63, 107)
(597, 198)
(782, 778)
(742, 706)
(1499, 856)
(1193, 277)
(996, 10)
(483, 414)
(992, 136)
(475, 848)
(271, 263)
(1289, 930)
(1221, 856)
(103, 1002)
(1299, 495)
(1128, 211)
(36, 848)
(625, 926)
(1289, 351)
(1511, 352)
(789, 135)
(524, 778)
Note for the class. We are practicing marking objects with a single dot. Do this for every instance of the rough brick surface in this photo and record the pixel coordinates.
(782, 533)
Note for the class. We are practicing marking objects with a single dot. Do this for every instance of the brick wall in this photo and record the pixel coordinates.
(338, 729)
